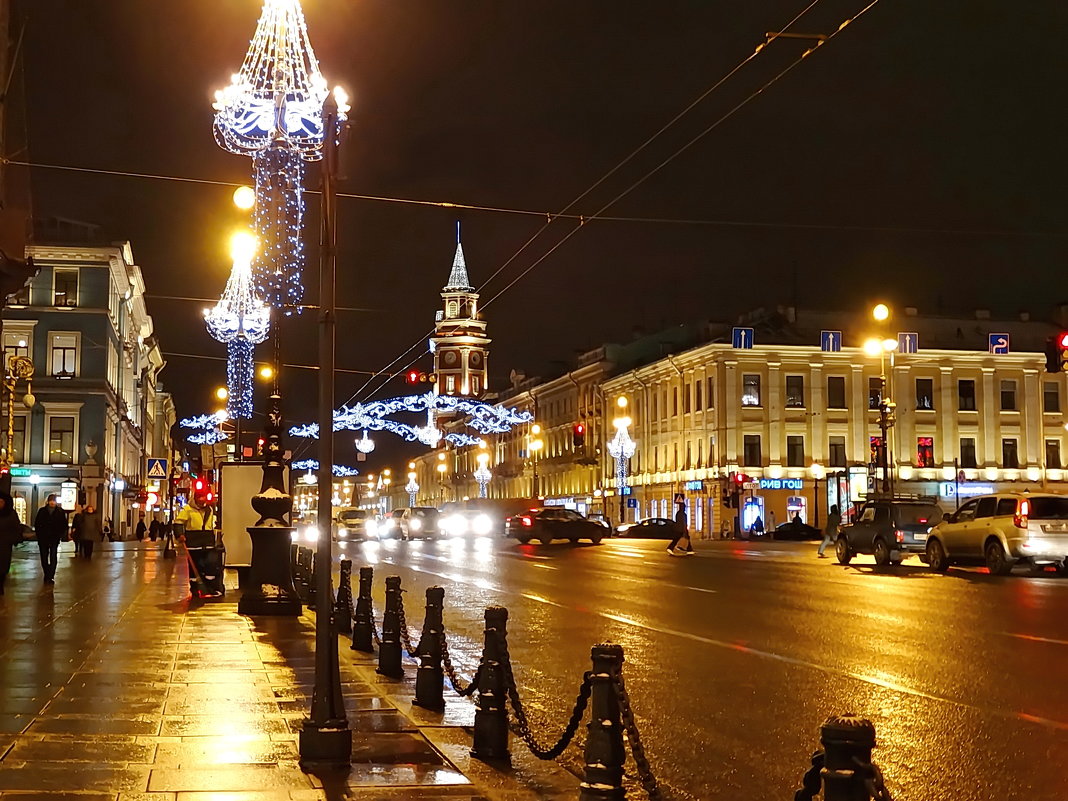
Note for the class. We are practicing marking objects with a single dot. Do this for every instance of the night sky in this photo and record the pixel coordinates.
(921, 115)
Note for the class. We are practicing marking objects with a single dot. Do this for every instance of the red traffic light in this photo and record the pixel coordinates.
(1062, 340)
(580, 429)
(198, 485)
(412, 377)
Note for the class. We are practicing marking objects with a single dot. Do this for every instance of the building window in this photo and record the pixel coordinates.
(450, 383)
(64, 287)
(751, 456)
(875, 392)
(674, 401)
(452, 310)
(1010, 454)
(697, 405)
(925, 393)
(652, 406)
(925, 452)
(689, 461)
(1051, 397)
(1008, 396)
(795, 391)
(476, 385)
(685, 398)
(711, 393)
(60, 440)
(750, 389)
(966, 395)
(795, 451)
(18, 440)
(64, 355)
(15, 344)
(1053, 454)
(837, 452)
(836, 393)
(967, 452)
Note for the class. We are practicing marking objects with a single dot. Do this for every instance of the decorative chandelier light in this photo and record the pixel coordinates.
(365, 444)
(273, 111)
(241, 321)
(621, 448)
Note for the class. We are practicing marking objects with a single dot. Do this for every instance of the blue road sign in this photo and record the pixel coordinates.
(908, 343)
(156, 468)
(999, 344)
(742, 338)
(831, 341)
(632, 503)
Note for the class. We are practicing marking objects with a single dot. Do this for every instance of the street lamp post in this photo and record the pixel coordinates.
(882, 347)
(412, 487)
(483, 474)
(534, 445)
(441, 475)
(18, 367)
(621, 448)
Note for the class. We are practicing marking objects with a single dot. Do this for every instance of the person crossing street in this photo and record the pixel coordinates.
(830, 530)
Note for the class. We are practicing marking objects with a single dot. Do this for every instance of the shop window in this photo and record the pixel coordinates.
(1008, 396)
(836, 392)
(751, 455)
(925, 393)
(795, 451)
(966, 395)
(750, 390)
(837, 452)
(1053, 454)
(925, 452)
(1010, 453)
(1051, 397)
(875, 392)
(967, 452)
(795, 391)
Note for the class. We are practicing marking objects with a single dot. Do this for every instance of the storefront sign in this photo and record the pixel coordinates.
(695, 486)
(20, 472)
(796, 484)
(947, 489)
(68, 495)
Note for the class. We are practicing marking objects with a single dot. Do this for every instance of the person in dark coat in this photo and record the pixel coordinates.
(51, 528)
(10, 535)
(681, 530)
(87, 527)
(141, 529)
(155, 529)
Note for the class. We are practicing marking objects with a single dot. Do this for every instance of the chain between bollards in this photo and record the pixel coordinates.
(389, 652)
(343, 604)
(363, 623)
(844, 769)
(491, 705)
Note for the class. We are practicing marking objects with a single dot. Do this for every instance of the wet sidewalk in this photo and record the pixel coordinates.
(113, 685)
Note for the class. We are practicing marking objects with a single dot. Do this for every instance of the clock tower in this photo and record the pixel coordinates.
(460, 345)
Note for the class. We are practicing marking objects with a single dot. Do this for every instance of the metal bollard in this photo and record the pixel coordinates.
(846, 740)
(605, 752)
(313, 584)
(343, 604)
(491, 705)
(430, 679)
(363, 618)
(389, 652)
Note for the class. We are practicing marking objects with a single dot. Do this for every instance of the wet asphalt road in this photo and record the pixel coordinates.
(734, 657)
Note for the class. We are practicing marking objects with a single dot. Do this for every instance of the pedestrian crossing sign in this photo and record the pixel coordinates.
(156, 468)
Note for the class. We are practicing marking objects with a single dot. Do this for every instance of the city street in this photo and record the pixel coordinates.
(736, 655)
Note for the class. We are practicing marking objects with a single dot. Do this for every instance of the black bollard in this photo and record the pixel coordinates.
(430, 679)
(343, 605)
(846, 740)
(389, 652)
(313, 590)
(363, 619)
(491, 705)
(605, 752)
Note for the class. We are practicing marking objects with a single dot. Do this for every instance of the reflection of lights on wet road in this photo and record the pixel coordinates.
(416, 545)
(370, 551)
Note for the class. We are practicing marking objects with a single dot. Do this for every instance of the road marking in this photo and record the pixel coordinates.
(545, 567)
(532, 597)
(1033, 638)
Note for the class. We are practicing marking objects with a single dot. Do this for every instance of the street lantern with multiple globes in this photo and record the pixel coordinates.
(622, 448)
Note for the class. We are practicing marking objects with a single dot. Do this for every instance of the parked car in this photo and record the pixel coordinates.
(413, 522)
(355, 524)
(796, 531)
(890, 529)
(554, 523)
(1002, 530)
(652, 528)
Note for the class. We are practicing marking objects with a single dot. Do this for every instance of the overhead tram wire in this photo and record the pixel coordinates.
(173, 354)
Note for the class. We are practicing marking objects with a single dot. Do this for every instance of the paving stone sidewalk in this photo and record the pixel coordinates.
(114, 685)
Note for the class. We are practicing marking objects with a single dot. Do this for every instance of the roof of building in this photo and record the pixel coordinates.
(458, 280)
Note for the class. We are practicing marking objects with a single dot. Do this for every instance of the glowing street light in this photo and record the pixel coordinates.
(245, 198)
(483, 474)
(622, 448)
(412, 487)
(880, 313)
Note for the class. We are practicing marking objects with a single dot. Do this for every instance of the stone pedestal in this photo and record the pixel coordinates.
(270, 585)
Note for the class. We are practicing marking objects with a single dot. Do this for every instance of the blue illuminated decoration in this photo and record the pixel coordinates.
(204, 421)
(782, 484)
(340, 470)
(209, 437)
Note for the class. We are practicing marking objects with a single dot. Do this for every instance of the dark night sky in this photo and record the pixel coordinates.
(921, 115)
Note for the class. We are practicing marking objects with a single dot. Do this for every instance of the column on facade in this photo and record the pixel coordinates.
(858, 415)
(730, 406)
(773, 415)
(989, 420)
(947, 410)
(817, 417)
(903, 434)
(1031, 428)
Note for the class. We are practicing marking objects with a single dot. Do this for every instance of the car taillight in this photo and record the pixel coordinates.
(923, 519)
(900, 535)
(1023, 509)
(526, 521)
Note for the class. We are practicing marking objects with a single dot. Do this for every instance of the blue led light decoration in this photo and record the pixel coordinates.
(340, 470)
(273, 111)
(241, 321)
(208, 428)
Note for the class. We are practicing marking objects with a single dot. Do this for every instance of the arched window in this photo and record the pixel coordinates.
(453, 310)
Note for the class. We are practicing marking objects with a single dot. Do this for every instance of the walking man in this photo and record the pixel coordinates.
(830, 530)
(681, 530)
(10, 535)
(50, 525)
(87, 528)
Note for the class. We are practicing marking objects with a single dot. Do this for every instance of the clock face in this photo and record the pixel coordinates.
(476, 358)
(450, 357)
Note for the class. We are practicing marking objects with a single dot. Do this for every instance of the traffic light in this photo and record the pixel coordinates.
(578, 436)
(1056, 352)
(412, 377)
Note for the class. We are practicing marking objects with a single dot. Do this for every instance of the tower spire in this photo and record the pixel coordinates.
(458, 279)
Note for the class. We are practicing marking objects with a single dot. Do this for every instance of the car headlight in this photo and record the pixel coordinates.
(415, 524)
(390, 523)
(455, 525)
(372, 527)
(311, 534)
(482, 525)
(342, 532)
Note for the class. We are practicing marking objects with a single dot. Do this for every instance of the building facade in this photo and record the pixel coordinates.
(100, 408)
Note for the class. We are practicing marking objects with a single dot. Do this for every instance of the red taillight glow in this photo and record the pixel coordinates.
(923, 519)
(900, 535)
(526, 521)
(1023, 510)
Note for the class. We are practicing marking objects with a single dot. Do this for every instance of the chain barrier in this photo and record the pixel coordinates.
(536, 747)
(645, 772)
(463, 690)
(405, 635)
(811, 782)
(873, 780)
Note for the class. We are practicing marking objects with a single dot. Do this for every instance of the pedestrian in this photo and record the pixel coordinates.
(830, 530)
(681, 530)
(76, 534)
(106, 532)
(195, 525)
(141, 529)
(155, 529)
(51, 528)
(87, 527)
(757, 529)
(797, 521)
(10, 535)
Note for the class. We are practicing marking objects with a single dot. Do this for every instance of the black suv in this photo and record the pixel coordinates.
(890, 529)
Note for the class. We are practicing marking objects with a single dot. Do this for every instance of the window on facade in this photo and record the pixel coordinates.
(711, 400)
(795, 451)
(452, 310)
(689, 463)
(675, 457)
(15, 345)
(1010, 454)
(967, 452)
(837, 452)
(64, 355)
(65, 287)
(795, 391)
(60, 440)
(697, 404)
(750, 390)
(1008, 396)
(836, 393)
(476, 385)
(686, 398)
(966, 395)
(925, 452)
(1051, 397)
(700, 453)
(1053, 454)
(751, 456)
(450, 383)
(875, 448)
(875, 392)
(924, 393)
(18, 440)
(674, 401)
